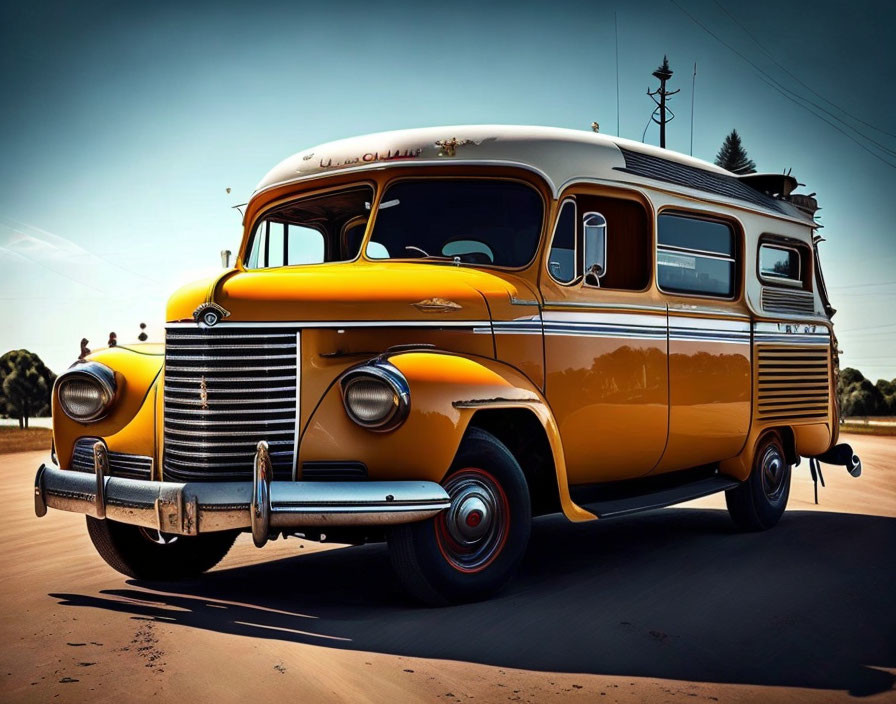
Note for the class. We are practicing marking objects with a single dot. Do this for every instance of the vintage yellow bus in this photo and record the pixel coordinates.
(430, 336)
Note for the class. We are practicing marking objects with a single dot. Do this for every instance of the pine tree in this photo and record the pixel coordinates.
(733, 156)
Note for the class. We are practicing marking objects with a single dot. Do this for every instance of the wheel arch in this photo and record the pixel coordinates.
(520, 430)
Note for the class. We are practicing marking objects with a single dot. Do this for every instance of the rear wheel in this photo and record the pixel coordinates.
(145, 553)
(759, 502)
(472, 549)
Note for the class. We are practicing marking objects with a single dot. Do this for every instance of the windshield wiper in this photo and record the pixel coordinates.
(427, 255)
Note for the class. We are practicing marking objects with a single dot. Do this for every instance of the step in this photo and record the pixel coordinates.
(624, 506)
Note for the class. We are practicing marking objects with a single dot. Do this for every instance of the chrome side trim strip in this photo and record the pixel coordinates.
(342, 324)
(560, 305)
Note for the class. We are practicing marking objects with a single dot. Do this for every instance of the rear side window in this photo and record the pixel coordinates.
(695, 256)
(779, 264)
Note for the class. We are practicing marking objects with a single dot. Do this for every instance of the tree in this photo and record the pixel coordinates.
(733, 156)
(888, 391)
(858, 396)
(25, 386)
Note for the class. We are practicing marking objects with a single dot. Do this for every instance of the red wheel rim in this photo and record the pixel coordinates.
(472, 533)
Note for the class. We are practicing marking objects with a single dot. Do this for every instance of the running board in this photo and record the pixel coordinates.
(610, 508)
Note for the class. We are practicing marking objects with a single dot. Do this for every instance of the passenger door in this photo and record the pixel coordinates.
(606, 363)
(699, 263)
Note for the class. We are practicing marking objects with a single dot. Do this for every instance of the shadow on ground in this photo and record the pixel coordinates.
(675, 594)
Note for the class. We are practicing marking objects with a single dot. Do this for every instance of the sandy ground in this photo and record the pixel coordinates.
(669, 606)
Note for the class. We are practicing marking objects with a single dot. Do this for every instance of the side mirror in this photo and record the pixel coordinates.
(594, 228)
(225, 258)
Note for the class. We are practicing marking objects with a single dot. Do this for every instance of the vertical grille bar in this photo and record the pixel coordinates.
(226, 388)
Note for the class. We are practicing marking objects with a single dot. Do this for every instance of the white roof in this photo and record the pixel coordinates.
(559, 155)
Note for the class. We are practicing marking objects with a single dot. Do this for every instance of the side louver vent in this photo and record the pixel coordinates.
(775, 301)
(794, 383)
(120, 463)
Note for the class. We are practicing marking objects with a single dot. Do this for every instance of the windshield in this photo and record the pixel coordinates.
(472, 221)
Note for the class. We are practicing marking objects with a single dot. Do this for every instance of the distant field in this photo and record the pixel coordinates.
(16, 440)
(875, 425)
(46, 422)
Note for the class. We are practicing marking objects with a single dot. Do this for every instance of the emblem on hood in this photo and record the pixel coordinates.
(436, 305)
(209, 314)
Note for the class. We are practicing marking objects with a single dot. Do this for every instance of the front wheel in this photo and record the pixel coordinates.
(472, 549)
(759, 502)
(144, 553)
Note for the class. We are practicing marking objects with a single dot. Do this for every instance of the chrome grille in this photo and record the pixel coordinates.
(121, 464)
(226, 388)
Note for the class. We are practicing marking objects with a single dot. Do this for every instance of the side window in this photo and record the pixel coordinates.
(782, 265)
(695, 255)
(305, 245)
(562, 256)
(326, 227)
(285, 244)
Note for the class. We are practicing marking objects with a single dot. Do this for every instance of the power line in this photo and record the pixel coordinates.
(883, 147)
(790, 95)
(796, 78)
(879, 283)
(870, 327)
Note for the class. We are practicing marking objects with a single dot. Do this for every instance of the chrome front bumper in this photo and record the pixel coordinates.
(263, 505)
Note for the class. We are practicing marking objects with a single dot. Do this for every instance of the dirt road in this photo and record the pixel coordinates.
(668, 606)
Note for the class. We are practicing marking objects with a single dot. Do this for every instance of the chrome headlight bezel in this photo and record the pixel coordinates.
(94, 373)
(382, 372)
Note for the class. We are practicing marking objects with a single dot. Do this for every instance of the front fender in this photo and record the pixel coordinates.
(130, 424)
(446, 390)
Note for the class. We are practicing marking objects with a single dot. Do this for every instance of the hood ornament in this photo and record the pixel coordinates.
(436, 305)
(203, 394)
(209, 314)
(448, 147)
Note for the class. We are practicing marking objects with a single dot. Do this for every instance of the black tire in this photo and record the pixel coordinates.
(143, 553)
(759, 502)
(438, 569)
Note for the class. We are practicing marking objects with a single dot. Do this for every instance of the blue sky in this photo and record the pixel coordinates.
(122, 126)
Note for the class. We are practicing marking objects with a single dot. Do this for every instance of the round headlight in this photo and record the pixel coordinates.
(376, 396)
(86, 392)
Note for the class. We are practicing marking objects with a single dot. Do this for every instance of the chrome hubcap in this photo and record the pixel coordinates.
(472, 531)
(773, 470)
(470, 515)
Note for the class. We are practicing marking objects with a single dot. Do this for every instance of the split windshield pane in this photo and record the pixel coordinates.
(473, 221)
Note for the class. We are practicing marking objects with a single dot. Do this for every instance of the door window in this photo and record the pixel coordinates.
(562, 256)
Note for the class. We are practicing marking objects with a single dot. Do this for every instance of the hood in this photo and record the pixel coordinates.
(358, 291)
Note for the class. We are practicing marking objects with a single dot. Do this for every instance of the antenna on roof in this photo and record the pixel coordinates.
(616, 29)
(693, 93)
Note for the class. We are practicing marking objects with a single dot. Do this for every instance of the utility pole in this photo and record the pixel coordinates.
(663, 74)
